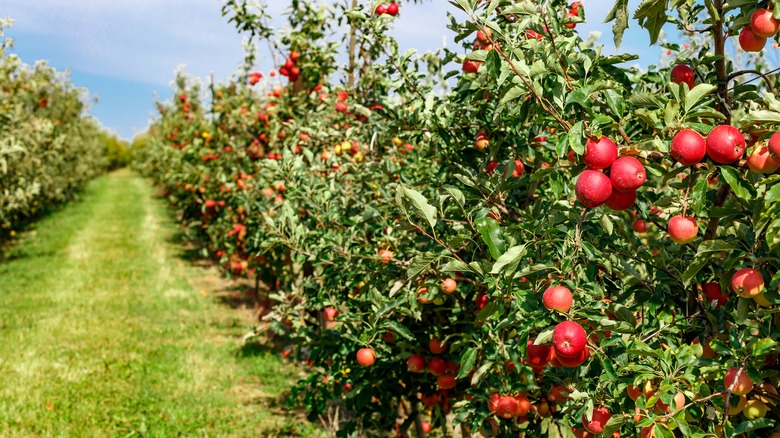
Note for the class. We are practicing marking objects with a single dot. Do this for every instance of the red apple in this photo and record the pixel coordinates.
(593, 188)
(481, 301)
(436, 346)
(470, 66)
(558, 298)
(366, 357)
(688, 147)
(621, 200)
(537, 356)
(381, 10)
(747, 283)
(749, 41)
(437, 366)
(573, 362)
(518, 171)
(600, 153)
(569, 339)
(330, 313)
(416, 363)
(774, 145)
(449, 285)
(484, 35)
(627, 174)
(763, 24)
(683, 229)
(713, 293)
(392, 9)
(682, 74)
(639, 226)
(507, 407)
(743, 384)
(446, 381)
(762, 160)
(482, 141)
(598, 420)
(426, 426)
(725, 144)
(523, 405)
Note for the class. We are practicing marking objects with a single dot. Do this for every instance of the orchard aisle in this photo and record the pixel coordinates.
(103, 334)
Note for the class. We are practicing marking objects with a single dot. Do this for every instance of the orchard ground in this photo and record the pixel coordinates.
(107, 331)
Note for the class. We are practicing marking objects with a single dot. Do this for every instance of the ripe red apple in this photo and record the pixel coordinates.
(437, 366)
(763, 161)
(682, 74)
(341, 107)
(449, 285)
(683, 229)
(627, 174)
(763, 24)
(507, 407)
(330, 313)
(426, 426)
(537, 356)
(713, 293)
(569, 339)
(573, 362)
(436, 346)
(518, 171)
(725, 144)
(600, 153)
(481, 301)
(558, 298)
(688, 147)
(523, 405)
(749, 41)
(639, 226)
(598, 420)
(366, 357)
(482, 141)
(743, 383)
(484, 35)
(446, 381)
(593, 188)
(491, 167)
(385, 255)
(392, 9)
(774, 145)
(470, 66)
(747, 283)
(416, 363)
(621, 200)
(381, 10)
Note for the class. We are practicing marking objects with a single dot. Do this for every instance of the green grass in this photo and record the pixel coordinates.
(102, 332)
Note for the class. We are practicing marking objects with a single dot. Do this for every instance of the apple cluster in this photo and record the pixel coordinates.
(763, 25)
(391, 9)
(290, 69)
(483, 42)
(618, 190)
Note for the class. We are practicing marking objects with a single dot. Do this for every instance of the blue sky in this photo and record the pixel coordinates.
(126, 52)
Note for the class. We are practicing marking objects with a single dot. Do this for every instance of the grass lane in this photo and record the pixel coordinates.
(103, 334)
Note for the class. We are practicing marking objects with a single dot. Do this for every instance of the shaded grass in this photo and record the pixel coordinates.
(102, 333)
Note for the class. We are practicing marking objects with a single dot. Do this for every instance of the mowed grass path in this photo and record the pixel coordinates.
(103, 334)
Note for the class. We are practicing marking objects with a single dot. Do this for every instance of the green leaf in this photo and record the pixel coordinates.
(762, 347)
(456, 194)
(492, 235)
(420, 264)
(703, 257)
(619, 14)
(651, 15)
(467, 362)
(577, 138)
(480, 371)
(698, 93)
(421, 205)
(741, 188)
(614, 424)
(507, 263)
(493, 64)
(544, 337)
(400, 329)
